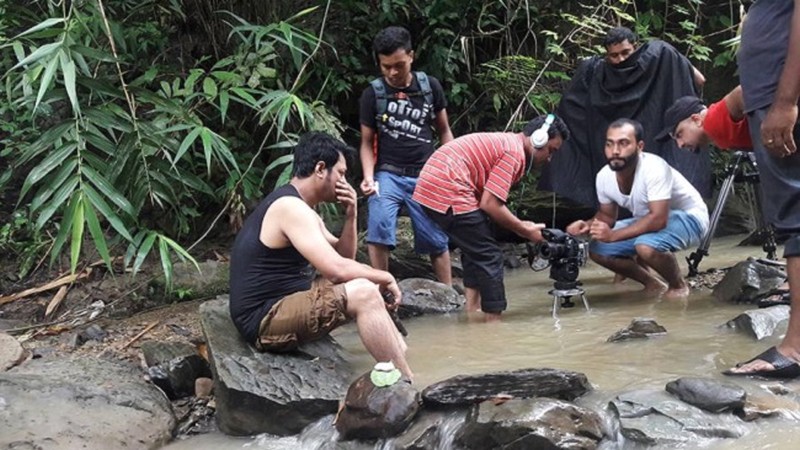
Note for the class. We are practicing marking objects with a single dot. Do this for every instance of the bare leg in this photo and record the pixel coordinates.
(378, 333)
(378, 256)
(629, 268)
(473, 299)
(441, 267)
(666, 265)
(790, 346)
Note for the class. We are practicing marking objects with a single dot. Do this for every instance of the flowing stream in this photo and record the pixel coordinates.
(529, 336)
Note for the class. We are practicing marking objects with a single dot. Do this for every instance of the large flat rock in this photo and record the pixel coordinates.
(277, 393)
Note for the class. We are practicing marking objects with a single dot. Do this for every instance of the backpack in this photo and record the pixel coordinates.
(382, 98)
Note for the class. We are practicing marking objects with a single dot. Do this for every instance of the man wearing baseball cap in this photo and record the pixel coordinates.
(722, 124)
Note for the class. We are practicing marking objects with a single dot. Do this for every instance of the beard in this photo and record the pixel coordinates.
(622, 162)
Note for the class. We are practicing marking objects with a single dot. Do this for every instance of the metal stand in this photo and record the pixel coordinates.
(563, 297)
(742, 169)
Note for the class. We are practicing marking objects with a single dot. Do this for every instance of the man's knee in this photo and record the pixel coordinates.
(362, 294)
(646, 252)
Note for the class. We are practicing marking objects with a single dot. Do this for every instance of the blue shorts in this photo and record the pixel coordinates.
(681, 232)
(393, 192)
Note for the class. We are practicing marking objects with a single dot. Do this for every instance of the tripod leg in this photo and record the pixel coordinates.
(555, 307)
(585, 302)
(702, 250)
(765, 230)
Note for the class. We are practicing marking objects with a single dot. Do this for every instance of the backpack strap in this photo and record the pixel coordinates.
(425, 89)
(381, 100)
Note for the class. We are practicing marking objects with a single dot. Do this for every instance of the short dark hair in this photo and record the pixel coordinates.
(618, 35)
(638, 129)
(557, 128)
(391, 39)
(316, 146)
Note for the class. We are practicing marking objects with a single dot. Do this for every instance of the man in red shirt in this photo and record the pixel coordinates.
(466, 183)
(693, 126)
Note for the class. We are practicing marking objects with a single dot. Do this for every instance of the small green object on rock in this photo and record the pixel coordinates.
(384, 374)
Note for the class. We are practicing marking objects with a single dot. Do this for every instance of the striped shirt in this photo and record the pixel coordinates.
(457, 174)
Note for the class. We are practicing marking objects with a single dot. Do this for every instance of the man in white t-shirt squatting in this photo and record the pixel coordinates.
(668, 213)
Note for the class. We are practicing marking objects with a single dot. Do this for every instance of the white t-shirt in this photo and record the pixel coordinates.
(653, 180)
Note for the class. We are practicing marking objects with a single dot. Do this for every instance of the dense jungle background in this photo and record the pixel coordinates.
(138, 130)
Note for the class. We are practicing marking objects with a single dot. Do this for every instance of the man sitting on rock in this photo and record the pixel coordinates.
(668, 212)
(275, 300)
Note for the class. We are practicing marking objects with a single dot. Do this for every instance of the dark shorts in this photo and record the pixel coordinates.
(481, 255)
(779, 185)
(303, 316)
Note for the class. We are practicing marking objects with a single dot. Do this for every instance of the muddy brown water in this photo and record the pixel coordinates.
(529, 336)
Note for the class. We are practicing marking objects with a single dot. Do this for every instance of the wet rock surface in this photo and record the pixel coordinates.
(541, 423)
(270, 392)
(748, 281)
(763, 322)
(372, 412)
(422, 296)
(708, 394)
(174, 367)
(639, 328)
(654, 417)
(431, 429)
(525, 383)
(81, 403)
(11, 352)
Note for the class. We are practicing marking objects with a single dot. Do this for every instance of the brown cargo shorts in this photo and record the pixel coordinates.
(303, 316)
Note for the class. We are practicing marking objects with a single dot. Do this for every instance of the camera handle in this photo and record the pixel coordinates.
(735, 171)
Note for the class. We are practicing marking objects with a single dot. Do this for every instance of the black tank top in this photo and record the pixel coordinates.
(260, 276)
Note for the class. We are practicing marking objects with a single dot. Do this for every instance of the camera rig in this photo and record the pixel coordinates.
(564, 255)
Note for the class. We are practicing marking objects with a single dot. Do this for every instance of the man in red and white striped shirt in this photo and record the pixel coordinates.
(466, 182)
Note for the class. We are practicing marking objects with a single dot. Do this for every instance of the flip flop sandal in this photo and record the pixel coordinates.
(783, 367)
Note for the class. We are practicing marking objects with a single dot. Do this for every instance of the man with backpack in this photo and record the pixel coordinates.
(398, 112)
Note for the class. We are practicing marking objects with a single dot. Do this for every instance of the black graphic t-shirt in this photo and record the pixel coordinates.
(405, 130)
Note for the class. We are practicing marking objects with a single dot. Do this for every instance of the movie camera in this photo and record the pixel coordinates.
(564, 254)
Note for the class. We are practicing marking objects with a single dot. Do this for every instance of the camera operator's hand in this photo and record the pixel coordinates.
(397, 295)
(578, 228)
(532, 231)
(600, 231)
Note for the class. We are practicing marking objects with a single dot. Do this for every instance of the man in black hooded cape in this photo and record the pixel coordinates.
(641, 87)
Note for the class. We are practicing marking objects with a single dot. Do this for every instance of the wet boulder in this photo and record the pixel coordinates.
(421, 296)
(639, 328)
(372, 412)
(541, 423)
(653, 417)
(87, 403)
(431, 429)
(465, 390)
(748, 281)
(174, 367)
(761, 323)
(11, 352)
(278, 393)
(188, 283)
(708, 394)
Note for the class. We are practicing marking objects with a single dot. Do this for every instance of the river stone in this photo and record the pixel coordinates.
(708, 394)
(11, 352)
(639, 328)
(763, 322)
(87, 403)
(748, 281)
(421, 296)
(174, 367)
(762, 405)
(431, 429)
(540, 423)
(277, 393)
(465, 390)
(372, 412)
(653, 417)
(188, 283)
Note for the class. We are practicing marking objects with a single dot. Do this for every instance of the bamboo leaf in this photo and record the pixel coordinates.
(47, 165)
(205, 135)
(64, 228)
(45, 83)
(107, 189)
(97, 233)
(48, 188)
(143, 250)
(77, 234)
(278, 161)
(41, 26)
(98, 202)
(224, 99)
(64, 192)
(39, 53)
(134, 244)
(187, 142)
(68, 70)
(166, 263)
(285, 176)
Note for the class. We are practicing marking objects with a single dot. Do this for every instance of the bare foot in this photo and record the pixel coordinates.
(654, 287)
(681, 292)
(619, 278)
(491, 317)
